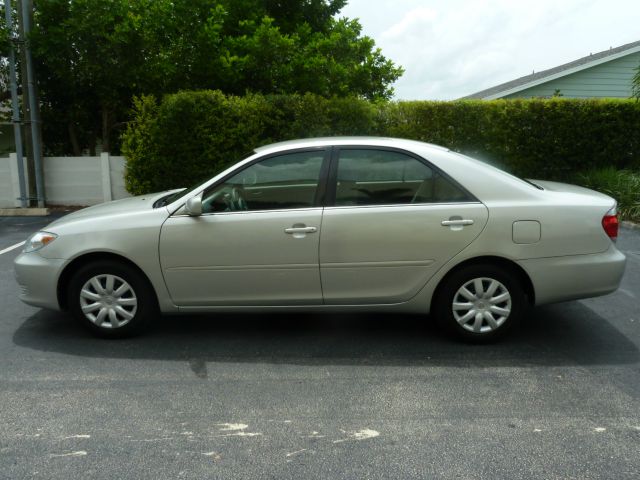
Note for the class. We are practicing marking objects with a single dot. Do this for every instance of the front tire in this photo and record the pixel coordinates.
(480, 303)
(111, 299)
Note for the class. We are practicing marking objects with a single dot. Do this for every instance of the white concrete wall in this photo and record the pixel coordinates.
(72, 180)
(69, 180)
(7, 197)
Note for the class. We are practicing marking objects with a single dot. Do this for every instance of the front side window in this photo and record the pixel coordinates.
(383, 177)
(281, 182)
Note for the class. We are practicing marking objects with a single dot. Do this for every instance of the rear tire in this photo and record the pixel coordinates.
(480, 303)
(111, 299)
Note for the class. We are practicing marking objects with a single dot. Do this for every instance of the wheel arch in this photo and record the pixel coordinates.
(502, 262)
(78, 262)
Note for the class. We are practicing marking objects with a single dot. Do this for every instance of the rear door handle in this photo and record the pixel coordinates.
(294, 230)
(448, 223)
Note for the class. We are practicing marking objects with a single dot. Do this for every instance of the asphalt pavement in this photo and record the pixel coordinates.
(320, 396)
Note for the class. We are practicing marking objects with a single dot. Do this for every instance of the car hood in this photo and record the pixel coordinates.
(117, 207)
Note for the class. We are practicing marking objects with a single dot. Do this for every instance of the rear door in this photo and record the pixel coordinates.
(392, 220)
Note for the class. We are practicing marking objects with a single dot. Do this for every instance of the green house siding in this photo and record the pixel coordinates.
(609, 79)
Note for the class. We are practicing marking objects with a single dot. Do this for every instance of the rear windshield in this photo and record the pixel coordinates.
(530, 183)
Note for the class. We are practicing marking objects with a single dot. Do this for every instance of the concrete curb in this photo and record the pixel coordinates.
(24, 212)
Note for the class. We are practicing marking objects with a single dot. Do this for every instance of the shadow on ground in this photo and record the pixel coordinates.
(563, 334)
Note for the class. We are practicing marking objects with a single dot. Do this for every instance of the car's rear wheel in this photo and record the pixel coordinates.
(112, 299)
(480, 303)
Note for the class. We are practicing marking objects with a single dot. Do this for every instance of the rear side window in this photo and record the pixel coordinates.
(383, 177)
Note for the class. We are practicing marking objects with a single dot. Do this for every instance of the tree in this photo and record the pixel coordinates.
(5, 43)
(94, 56)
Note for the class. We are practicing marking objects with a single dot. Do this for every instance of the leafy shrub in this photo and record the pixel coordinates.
(623, 185)
(189, 136)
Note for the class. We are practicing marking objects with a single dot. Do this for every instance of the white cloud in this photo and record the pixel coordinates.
(412, 19)
(456, 47)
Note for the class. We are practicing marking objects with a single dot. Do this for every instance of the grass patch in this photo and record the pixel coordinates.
(623, 185)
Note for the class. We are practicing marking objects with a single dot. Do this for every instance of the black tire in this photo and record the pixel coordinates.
(450, 290)
(140, 291)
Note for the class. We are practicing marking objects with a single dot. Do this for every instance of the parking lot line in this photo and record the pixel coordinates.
(12, 247)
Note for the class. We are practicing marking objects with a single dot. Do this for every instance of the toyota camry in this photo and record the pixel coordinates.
(333, 224)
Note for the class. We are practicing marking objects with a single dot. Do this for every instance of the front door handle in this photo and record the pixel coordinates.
(460, 222)
(294, 230)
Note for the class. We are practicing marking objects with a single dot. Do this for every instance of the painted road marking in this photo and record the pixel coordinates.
(12, 247)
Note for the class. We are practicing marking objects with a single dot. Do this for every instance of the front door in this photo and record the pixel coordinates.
(257, 240)
(383, 237)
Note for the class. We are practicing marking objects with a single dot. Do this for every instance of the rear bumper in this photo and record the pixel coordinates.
(558, 279)
(38, 279)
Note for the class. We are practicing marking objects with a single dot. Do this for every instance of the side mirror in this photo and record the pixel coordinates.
(193, 207)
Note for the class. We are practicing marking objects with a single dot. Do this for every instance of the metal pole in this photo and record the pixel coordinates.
(15, 118)
(26, 129)
(34, 110)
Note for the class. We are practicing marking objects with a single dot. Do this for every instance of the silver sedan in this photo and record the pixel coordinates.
(335, 224)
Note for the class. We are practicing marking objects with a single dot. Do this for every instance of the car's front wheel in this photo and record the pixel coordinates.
(112, 299)
(480, 302)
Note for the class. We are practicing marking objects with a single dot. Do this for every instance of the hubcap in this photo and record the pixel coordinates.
(108, 301)
(481, 305)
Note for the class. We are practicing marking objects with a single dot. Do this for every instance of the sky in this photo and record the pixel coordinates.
(452, 48)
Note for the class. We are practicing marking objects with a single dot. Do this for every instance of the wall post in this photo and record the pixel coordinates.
(106, 177)
(15, 179)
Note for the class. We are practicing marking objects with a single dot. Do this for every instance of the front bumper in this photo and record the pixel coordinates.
(38, 279)
(557, 279)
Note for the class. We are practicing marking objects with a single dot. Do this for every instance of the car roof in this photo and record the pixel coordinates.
(337, 141)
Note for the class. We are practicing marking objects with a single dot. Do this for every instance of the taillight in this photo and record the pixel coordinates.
(610, 223)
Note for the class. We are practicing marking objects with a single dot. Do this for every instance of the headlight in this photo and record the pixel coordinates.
(38, 241)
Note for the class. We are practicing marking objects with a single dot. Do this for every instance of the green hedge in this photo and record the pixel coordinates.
(190, 136)
(539, 138)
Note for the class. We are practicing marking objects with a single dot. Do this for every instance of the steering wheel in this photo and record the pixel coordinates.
(236, 200)
(225, 199)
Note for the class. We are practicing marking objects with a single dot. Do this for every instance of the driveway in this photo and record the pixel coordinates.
(321, 396)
